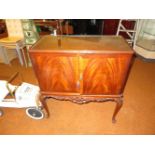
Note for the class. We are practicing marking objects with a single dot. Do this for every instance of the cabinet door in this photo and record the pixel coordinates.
(104, 74)
(56, 73)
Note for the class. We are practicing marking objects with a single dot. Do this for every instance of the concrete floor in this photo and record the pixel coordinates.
(137, 115)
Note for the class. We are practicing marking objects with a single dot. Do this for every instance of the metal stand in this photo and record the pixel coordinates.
(131, 33)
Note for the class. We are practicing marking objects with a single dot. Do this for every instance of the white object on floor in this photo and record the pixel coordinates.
(26, 95)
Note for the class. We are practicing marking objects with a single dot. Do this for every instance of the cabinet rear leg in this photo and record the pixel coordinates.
(119, 103)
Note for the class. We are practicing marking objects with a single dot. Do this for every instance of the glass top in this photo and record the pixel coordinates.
(82, 42)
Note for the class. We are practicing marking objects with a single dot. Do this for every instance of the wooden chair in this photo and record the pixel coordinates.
(15, 40)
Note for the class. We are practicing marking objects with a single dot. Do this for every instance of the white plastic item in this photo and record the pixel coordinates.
(26, 95)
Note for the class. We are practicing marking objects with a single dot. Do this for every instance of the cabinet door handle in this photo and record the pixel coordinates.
(78, 84)
(81, 76)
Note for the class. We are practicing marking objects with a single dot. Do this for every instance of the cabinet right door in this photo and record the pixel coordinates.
(104, 74)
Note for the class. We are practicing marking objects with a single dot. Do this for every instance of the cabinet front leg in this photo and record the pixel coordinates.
(44, 104)
(119, 103)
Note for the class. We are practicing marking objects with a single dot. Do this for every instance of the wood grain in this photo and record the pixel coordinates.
(56, 73)
(105, 74)
(69, 68)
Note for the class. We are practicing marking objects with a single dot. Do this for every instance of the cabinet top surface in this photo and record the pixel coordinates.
(82, 42)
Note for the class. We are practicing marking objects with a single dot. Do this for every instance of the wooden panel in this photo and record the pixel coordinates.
(82, 69)
(56, 73)
(101, 68)
(104, 74)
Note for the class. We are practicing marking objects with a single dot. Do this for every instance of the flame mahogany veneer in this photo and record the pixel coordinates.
(82, 69)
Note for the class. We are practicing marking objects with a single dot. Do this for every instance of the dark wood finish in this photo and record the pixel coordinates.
(104, 73)
(81, 99)
(128, 24)
(119, 104)
(110, 26)
(43, 101)
(82, 69)
(3, 29)
(56, 72)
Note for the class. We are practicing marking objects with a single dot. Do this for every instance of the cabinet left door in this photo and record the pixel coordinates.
(56, 73)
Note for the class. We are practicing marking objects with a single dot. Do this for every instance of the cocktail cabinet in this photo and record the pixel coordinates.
(82, 69)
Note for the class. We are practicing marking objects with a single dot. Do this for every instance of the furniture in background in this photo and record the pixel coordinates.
(3, 30)
(129, 33)
(30, 32)
(124, 27)
(13, 41)
(30, 36)
(87, 26)
(82, 69)
(47, 26)
(110, 26)
(145, 39)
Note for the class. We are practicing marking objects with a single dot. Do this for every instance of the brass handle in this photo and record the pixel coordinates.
(78, 84)
(81, 76)
(79, 81)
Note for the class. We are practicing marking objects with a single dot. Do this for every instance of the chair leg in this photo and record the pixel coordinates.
(24, 57)
(28, 56)
(4, 55)
(19, 55)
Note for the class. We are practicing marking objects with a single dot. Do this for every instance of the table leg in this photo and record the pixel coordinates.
(3, 53)
(19, 55)
(119, 103)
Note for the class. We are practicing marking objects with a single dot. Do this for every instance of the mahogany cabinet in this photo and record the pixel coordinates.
(82, 69)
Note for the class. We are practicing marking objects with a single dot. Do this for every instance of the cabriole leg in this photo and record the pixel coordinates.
(119, 103)
(44, 104)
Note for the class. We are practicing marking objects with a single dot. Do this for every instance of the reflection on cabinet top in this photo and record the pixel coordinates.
(99, 44)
